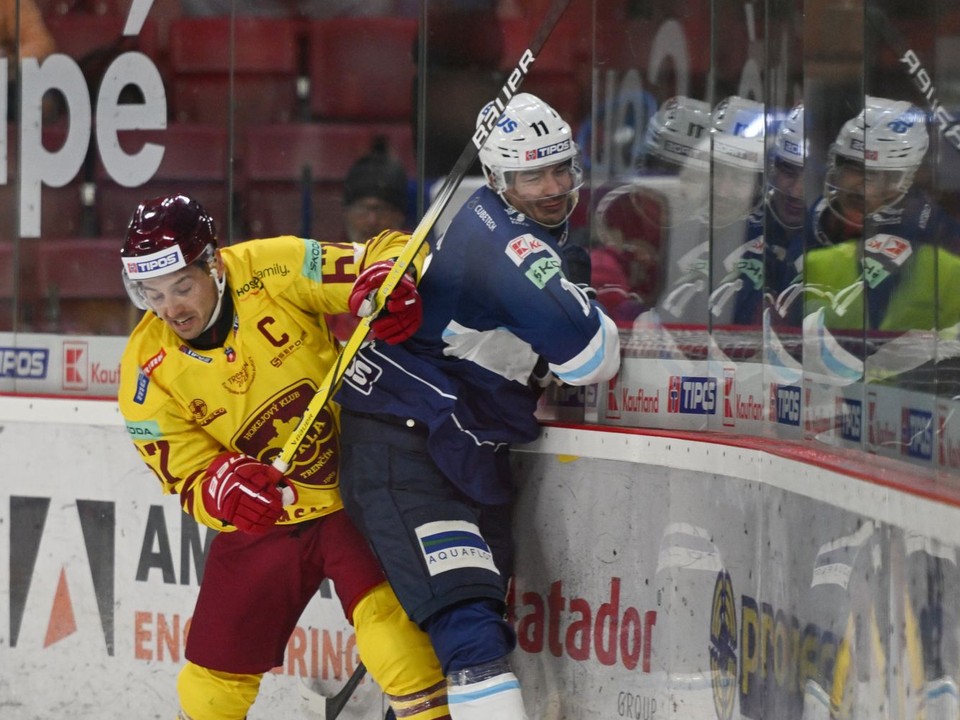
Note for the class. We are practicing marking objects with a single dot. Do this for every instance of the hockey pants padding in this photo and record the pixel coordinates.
(470, 634)
(212, 695)
(399, 656)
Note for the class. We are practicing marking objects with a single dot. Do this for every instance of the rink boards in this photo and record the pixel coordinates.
(660, 575)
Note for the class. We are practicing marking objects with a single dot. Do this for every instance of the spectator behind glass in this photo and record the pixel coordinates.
(375, 198)
(375, 195)
(35, 41)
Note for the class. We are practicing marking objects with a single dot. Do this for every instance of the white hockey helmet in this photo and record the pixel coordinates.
(789, 143)
(737, 145)
(738, 129)
(529, 135)
(785, 172)
(887, 136)
(678, 133)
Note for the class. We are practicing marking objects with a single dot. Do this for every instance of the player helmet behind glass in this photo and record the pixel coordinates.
(528, 136)
(787, 158)
(166, 234)
(738, 126)
(677, 135)
(676, 151)
(887, 140)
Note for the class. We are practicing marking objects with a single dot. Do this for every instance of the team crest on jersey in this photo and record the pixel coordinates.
(521, 247)
(242, 379)
(268, 427)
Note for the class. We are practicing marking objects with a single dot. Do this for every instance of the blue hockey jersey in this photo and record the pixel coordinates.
(496, 303)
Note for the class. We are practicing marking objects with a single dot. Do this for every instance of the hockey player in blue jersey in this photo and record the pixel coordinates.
(427, 423)
(767, 268)
(877, 238)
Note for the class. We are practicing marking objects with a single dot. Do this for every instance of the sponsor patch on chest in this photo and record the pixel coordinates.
(521, 247)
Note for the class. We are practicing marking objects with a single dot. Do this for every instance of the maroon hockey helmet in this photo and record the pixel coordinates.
(165, 234)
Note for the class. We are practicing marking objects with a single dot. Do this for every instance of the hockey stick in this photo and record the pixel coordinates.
(333, 378)
(948, 124)
(329, 708)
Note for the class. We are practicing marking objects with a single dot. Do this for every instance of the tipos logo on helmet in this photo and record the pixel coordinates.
(553, 149)
(738, 129)
(165, 224)
(158, 263)
(678, 134)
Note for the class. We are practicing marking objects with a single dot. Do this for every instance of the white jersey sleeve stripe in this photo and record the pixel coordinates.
(597, 362)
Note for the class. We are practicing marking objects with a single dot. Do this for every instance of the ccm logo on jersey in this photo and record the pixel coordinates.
(548, 150)
(519, 248)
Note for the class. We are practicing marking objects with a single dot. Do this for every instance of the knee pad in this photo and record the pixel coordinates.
(212, 695)
(470, 634)
(399, 656)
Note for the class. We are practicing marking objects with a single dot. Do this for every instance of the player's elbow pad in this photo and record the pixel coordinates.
(597, 362)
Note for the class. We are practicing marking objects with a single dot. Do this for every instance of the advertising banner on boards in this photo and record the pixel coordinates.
(648, 591)
(99, 576)
(657, 577)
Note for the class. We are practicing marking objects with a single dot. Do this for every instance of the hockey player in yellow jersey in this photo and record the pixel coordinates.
(213, 379)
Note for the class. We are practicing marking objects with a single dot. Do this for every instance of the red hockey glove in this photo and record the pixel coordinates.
(403, 311)
(243, 492)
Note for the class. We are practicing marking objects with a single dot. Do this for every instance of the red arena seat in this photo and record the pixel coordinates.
(286, 163)
(79, 287)
(265, 65)
(361, 68)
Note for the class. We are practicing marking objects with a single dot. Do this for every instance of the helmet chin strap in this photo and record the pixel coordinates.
(221, 282)
(573, 197)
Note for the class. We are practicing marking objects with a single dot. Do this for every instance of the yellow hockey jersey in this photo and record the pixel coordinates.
(184, 406)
